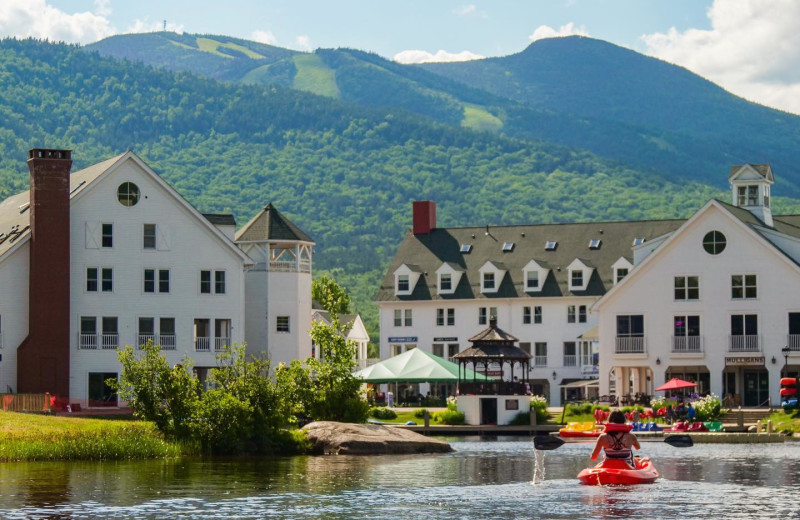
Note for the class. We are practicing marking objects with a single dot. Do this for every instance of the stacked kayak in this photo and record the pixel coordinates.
(617, 471)
(578, 430)
(789, 393)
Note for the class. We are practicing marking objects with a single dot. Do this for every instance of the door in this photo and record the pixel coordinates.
(489, 410)
(756, 387)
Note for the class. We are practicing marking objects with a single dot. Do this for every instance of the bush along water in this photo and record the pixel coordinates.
(707, 408)
(379, 412)
(538, 406)
(250, 408)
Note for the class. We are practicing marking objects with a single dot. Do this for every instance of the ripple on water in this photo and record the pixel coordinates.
(486, 480)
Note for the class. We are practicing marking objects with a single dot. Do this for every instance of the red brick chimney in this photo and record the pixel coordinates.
(424, 216)
(43, 358)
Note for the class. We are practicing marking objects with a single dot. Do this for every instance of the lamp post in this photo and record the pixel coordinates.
(785, 350)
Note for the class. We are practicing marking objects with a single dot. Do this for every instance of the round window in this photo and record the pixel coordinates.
(128, 194)
(714, 242)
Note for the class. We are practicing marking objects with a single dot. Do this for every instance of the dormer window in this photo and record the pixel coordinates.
(402, 283)
(621, 269)
(492, 274)
(595, 243)
(448, 275)
(445, 282)
(488, 281)
(508, 247)
(405, 279)
(466, 248)
(579, 273)
(532, 280)
(550, 245)
(619, 274)
(638, 241)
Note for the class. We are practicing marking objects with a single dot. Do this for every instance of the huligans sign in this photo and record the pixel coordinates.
(406, 339)
(747, 361)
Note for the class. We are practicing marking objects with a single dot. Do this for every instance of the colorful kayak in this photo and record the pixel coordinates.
(578, 430)
(619, 472)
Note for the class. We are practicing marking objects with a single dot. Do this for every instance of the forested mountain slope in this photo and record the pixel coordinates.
(574, 91)
(344, 174)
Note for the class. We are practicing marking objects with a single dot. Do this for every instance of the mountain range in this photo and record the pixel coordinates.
(341, 141)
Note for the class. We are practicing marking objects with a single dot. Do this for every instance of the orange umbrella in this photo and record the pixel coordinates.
(675, 384)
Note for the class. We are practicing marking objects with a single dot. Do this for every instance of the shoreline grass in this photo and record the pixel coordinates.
(31, 437)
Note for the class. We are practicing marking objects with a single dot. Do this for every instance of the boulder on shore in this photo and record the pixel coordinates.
(337, 438)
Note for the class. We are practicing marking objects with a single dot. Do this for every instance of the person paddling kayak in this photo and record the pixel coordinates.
(617, 442)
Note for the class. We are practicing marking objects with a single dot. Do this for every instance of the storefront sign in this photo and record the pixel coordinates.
(589, 370)
(445, 339)
(492, 373)
(744, 361)
(406, 339)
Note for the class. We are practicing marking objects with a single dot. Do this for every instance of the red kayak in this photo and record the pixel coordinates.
(617, 471)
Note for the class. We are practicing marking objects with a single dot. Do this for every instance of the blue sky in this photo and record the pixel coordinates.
(750, 47)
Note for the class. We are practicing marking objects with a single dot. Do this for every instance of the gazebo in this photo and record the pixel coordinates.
(493, 402)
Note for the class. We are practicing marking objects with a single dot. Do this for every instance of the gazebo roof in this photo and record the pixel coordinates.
(493, 343)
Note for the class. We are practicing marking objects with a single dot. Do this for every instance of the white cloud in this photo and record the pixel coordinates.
(465, 10)
(545, 31)
(304, 42)
(37, 19)
(102, 8)
(417, 56)
(750, 50)
(263, 37)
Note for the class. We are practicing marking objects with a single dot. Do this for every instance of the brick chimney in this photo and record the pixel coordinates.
(424, 216)
(43, 358)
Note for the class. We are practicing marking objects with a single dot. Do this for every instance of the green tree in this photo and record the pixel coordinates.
(156, 392)
(337, 393)
(333, 297)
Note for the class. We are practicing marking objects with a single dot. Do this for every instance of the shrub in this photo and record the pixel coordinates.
(627, 409)
(539, 404)
(450, 417)
(452, 403)
(223, 422)
(382, 413)
(579, 408)
(707, 408)
(603, 407)
(420, 414)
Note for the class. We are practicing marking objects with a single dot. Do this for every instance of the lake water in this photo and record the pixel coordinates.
(481, 480)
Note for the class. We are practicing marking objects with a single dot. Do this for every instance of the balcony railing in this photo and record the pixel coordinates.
(792, 341)
(221, 343)
(570, 361)
(629, 345)
(492, 388)
(109, 341)
(750, 343)
(144, 338)
(540, 361)
(687, 343)
(202, 344)
(87, 341)
(167, 341)
(587, 360)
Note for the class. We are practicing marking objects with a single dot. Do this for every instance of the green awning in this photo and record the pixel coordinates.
(417, 366)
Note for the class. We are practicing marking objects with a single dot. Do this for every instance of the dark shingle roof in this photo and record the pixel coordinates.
(442, 245)
(270, 224)
(220, 219)
(765, 170)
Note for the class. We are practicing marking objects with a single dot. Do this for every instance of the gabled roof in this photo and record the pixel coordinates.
(442, 245)
(15, 223)
(270, 225)
(764, 170)
(80, 183)
(220, 219)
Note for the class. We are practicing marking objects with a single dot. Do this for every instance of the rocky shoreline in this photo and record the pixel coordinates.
(334, 438)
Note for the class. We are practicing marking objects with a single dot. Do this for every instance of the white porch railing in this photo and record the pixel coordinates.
(629, 345)
(202, 344)
(283, 267)
(792, 341)
(750, 343)
(110, 341)
(540, 361)
(570, 361)
(167, 341)
(687, 343)
(221, 343)
(144, 338)
(87, 341)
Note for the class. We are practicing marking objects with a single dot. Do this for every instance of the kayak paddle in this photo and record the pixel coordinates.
(550, 442)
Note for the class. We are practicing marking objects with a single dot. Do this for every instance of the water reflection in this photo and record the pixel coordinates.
(480, 480)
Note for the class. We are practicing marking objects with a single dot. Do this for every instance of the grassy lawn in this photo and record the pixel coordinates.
(478, 118)
(44, 437)
(785, 422)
